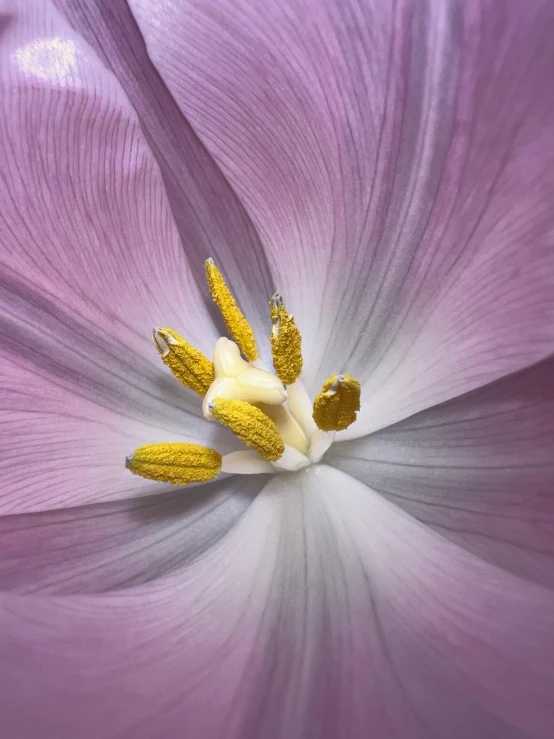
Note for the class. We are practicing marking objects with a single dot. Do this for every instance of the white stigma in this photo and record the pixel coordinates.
(236, 379)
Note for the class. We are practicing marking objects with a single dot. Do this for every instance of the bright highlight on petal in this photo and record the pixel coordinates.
(234, 318)
(175, 462)
(335, 407)
(251, 425)
(50, 59)
(286, 342)
(188, 364)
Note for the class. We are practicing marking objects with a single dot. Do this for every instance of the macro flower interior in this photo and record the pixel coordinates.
(372, 179)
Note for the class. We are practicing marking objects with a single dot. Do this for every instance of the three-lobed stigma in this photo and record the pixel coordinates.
(240, 393)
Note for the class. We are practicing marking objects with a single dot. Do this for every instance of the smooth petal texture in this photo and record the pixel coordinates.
(346, 618)
(75, 402)
(478, 469)
(210, 218)
(397, 163)
(106, 547)
(167, 659)
(90, 262)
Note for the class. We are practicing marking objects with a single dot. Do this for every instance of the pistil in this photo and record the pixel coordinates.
(270, 413)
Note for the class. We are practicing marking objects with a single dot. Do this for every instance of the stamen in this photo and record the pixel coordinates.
(188, 364)
(335, 407)
(286, 342)
(251, 426)
(175, 462)
(234, 318)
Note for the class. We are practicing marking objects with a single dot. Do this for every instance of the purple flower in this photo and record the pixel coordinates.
(389, 168)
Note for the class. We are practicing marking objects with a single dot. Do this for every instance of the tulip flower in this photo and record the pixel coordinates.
(277, 315)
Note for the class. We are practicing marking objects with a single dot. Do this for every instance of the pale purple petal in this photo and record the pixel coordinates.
(91, 262)
(85, 214)
(478, 469)
(210, 218)
(398, 163)
(75, 402)
(347, 618)
(106, 547)
(167, 659)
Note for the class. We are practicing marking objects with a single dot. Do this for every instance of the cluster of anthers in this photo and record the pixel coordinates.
(269, 412)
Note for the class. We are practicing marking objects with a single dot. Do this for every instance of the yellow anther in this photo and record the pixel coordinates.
(335, 407)
(234, 318)
(251, 426)
(177, 463)
(286, 342)
(188, 364)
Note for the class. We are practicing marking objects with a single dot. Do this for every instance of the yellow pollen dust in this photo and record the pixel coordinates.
(187, 363)
(335, 407)
(286, 342)
(175, 462)
(251, 425)
(234, 318)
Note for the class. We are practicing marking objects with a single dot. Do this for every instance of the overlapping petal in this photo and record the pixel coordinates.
(421, 214)
(209, 216)
(106, 547)
(85, 214)
(478, 469)
(91, 261)
(395, 160)
(346, 618)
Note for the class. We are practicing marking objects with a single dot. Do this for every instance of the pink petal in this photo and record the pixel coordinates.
(91, 262)
(85, 213)
(347, 618)
(75, 402)
(397, 162)
(106, 547)
(209, 216)
(165, 659)
(478, 469)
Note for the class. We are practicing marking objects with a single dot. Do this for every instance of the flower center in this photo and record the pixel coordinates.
(270, 412)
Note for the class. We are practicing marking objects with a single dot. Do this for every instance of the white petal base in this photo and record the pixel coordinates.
(291, 461)
(301, 407)
(321, 442)
(245, 463)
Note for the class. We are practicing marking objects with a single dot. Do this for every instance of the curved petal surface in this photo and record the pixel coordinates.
(91, 261)
(107, 547)
(397, 162)
(210, 218)
(326, 611)
(75, 402)
(478, 469)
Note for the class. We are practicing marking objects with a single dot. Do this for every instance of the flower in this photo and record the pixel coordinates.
(388, 167)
